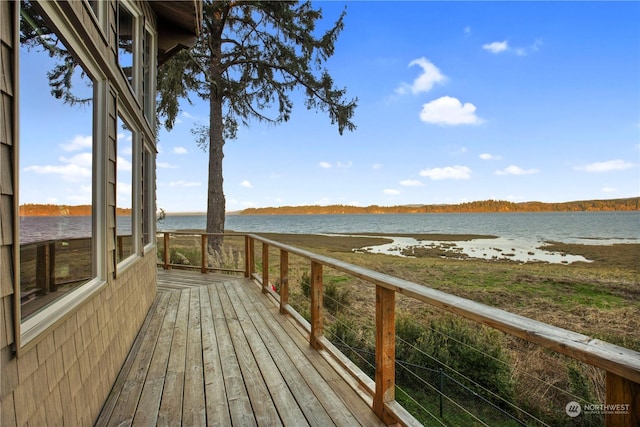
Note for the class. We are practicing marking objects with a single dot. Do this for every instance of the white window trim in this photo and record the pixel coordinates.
(136, 72)
(136, 190)
(150, 115)
(149, 208)
(29, 329)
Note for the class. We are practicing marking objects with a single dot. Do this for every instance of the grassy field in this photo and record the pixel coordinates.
(600, 299)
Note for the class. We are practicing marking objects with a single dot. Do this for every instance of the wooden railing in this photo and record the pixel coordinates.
(622, 365)
(204, 265)
(38, 265)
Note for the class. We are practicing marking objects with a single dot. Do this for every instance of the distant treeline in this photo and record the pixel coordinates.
(32, 209)
(630, 204)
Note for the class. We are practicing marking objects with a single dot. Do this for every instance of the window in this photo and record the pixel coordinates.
(148, 199)
(95, 7)
(126, 42)
(124, 191)
(148, 94)
(56, 170)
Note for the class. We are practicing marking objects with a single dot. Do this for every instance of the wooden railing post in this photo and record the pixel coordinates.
(385, 376)
(247, 257)
(284, 280)
(265, 267)
(46, 267)
(203, 251)
(622, 402)
(166, 255)
(316, 305)
(252, 256)
(52, 266)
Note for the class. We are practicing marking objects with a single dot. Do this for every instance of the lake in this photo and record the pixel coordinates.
(519, 235)
(567, 227)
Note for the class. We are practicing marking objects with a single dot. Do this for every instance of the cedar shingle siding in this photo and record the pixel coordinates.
(64, 374)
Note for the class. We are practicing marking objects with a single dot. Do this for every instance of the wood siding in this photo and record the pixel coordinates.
(9, 373)
(64, 376)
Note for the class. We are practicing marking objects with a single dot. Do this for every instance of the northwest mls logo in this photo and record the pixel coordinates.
(573, 409)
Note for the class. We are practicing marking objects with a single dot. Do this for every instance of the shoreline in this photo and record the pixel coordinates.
(454, 247)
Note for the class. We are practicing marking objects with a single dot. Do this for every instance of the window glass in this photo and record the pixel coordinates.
(56, 166)
(147, 85)
(126, 41)
(148, 201)
(95, 5)
(124, 181)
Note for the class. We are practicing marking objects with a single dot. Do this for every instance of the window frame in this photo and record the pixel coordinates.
(28, 331)
(148, 48)
(148, 210)
(136, 45)
(136, 232)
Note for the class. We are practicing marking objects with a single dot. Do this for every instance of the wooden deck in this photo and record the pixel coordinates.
(214, 350)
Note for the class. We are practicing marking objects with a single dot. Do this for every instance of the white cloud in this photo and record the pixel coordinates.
(449, 111)
(376, 166)
(82, 159)
(70, 172)
(610, 165)
(124, 189)
(123, 164)
(467, 30)
(323, 201)
(391, 192)
(339, 164)
(78, 142)
(246, 184)
(503, 46)
(77, 168)
(487, 156)
(179, 150)
(516, 170)
(125, 137)
(165, 165)
(425, 81)
(448, 172)
(609, 190)
(536, 45)
(411, 183)
(184, 184)
(496, 47)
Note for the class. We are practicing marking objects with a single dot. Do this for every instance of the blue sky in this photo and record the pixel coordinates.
(458, 101)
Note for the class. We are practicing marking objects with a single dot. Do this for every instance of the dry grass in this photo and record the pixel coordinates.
(600, 299)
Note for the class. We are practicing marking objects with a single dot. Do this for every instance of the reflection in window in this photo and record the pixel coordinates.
(148, 199)
(95, 4)
(56, 167)
(126, 42)
(124, 180)
(147, 87)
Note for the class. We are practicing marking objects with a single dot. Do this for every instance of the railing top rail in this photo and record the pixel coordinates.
(201, 233)
(610, 357)
(49, 241)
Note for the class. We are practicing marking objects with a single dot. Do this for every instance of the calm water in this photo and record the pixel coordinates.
(569, 227)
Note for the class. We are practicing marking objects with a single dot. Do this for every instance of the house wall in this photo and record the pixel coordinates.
(63, 376)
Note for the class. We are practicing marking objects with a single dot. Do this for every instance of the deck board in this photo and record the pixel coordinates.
(214, 350)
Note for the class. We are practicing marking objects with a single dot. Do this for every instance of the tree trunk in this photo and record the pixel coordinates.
(215, 196)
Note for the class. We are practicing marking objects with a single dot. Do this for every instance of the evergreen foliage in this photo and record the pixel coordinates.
(250, 57)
